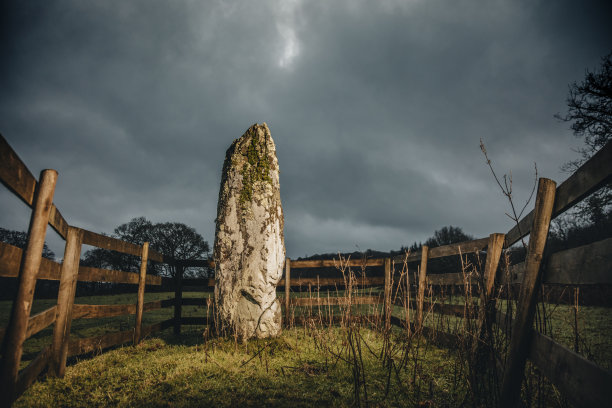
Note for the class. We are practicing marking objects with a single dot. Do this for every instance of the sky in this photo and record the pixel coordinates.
(377, 108)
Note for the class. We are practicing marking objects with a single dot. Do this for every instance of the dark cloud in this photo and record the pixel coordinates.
(376, 108)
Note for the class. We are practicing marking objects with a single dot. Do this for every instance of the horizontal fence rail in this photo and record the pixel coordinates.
(98, 343)
(10, 260)
(17, 178)
(581, 380)
(89, 274)
(82, 311)
(583, 265)
(446, 250)
(336, 301)
(591, 176)
(327, 263)
(36, 323)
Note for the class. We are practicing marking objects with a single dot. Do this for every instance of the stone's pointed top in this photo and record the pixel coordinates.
(260, 132)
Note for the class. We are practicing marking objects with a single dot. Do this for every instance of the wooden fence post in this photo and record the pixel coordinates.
(178, 296)
(421, 288)
(494, 250)
(287, 289)
(387, 298)
(520, 340)
(487, 303)
(65, 301)
(141, 290)
(22, 305)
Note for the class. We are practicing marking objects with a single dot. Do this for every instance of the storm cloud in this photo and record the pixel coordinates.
(376, 108)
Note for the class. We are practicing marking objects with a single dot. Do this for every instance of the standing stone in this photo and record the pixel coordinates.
(249, 249)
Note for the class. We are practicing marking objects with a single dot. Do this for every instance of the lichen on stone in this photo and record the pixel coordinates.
(255, 169)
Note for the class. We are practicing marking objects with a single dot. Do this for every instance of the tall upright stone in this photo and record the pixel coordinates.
(249, 250)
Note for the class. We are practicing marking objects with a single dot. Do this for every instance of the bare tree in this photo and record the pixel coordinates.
(590, 114)
(174, 239)
(446, 236)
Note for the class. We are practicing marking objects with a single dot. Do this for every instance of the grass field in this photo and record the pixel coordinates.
(594, 325)
(291, 370)
(307, 366)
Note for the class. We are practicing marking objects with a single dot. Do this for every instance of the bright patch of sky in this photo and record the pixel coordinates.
(286, 23)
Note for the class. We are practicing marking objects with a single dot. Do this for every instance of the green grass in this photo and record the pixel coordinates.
(290, 371)
(594, 326)
(167, 370)
(82, 328)
(594, 323)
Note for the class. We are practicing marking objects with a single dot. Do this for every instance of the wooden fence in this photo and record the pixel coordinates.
(28, 265)
(580, 380)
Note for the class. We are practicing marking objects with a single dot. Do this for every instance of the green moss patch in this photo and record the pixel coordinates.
(255, 169)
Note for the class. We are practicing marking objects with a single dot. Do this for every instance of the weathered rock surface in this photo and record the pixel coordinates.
(249, 250)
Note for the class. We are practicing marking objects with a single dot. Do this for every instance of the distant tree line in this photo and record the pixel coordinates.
(177, 240)
(444, 236)
(571, 234)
